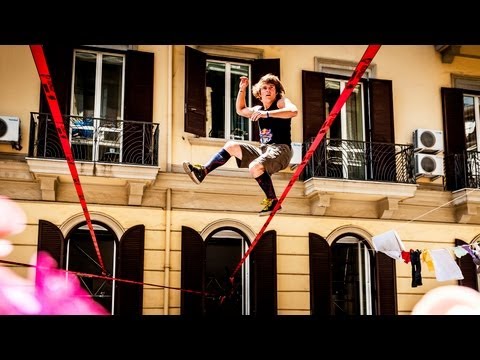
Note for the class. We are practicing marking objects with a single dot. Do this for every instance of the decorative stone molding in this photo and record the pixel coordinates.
(135, 191)
(48, 186)
(319, 203)
(386, 207)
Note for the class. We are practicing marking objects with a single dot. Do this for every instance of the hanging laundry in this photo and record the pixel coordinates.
(389, 243)
(406, 256)
(416, 267)
(445, 267)
(459, 251)
(473, 253)
(425, 256)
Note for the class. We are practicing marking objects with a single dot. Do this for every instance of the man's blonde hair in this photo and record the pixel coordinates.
(268, 79)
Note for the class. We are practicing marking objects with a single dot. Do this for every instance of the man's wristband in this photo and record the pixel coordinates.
(268, 115)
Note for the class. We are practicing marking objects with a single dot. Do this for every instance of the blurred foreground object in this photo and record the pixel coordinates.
(449, 300)
(47, 290)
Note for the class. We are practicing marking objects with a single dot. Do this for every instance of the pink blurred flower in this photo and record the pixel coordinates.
(55, 292)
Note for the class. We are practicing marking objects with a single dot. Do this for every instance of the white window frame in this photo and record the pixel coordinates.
(97, 128)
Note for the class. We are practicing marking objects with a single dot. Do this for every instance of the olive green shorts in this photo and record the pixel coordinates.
(273, 157)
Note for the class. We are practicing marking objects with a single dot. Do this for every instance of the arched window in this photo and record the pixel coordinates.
(208, 265)
(81, 256)
(348, 278)
(352, 276)
(223, 251)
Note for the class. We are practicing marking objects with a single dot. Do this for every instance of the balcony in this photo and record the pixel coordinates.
(104, 147)
(372, 177)
(359, 160)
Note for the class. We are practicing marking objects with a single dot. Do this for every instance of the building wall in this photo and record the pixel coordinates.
(231, 196)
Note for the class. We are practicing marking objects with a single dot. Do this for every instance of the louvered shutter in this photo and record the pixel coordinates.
(264, 257)
(193, 272)
(320, 275)
(195, 96)
(386, 285)
(454, 136)
(51, 240)
(131, 267)
(382, 130)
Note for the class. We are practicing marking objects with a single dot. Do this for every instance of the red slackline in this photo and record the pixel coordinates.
(47, 85)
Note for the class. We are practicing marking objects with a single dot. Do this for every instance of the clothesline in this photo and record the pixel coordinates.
(441, 260)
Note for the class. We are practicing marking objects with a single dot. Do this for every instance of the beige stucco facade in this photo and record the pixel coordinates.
(424, 215)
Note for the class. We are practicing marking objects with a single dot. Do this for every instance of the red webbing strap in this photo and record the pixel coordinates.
(354, 79)
(109, 278)
(47, 85)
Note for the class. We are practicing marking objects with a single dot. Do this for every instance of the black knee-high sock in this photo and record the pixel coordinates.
(217, 160)
(265, 182)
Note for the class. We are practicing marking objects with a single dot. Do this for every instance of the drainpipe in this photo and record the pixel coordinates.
(166, 279)
(169, 107)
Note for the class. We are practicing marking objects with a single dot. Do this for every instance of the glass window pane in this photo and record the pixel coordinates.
(469, 120)
(111, 97)
(215, 82)
(84, 84)
(239, 124)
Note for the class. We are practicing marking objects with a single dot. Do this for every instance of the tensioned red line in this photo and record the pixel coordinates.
(354, 79)
(47, 85)
(110, 278)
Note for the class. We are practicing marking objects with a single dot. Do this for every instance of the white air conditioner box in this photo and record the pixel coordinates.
(428, 141)
(9, 128)
(297, 153)
(428, 165)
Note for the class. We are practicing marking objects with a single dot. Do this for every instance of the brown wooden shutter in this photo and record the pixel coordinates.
(468, 268)
(139, 86)
(261, 67)
(382, 130)
(264, 257)
(313, 103)
(454, 138)
(193, 272)
(320, 275)
(195, 96)
(138, 104)
(51, 240)
(131, 267)
(60, 64)
(386, 285)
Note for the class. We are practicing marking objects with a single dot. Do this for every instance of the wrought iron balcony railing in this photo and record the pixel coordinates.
(95, 139)
(359, 160)
(463, 170)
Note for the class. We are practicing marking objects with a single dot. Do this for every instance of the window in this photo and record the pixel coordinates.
(471, 115)
(97, 98)
(461, 120)
(348, 278)
(348, 126)
(351, 277)
(123, 259)
(211, 88)
(208, 264)
(222, 80)
(82, 257)
(365, 121)
(224, 250)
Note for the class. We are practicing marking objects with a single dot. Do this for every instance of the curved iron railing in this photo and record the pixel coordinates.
(95, 139)
(463, 170)
(360, 160)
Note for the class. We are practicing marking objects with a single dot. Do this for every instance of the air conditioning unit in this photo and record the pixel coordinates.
(428, 165)
(428, 141)
(9, 128)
